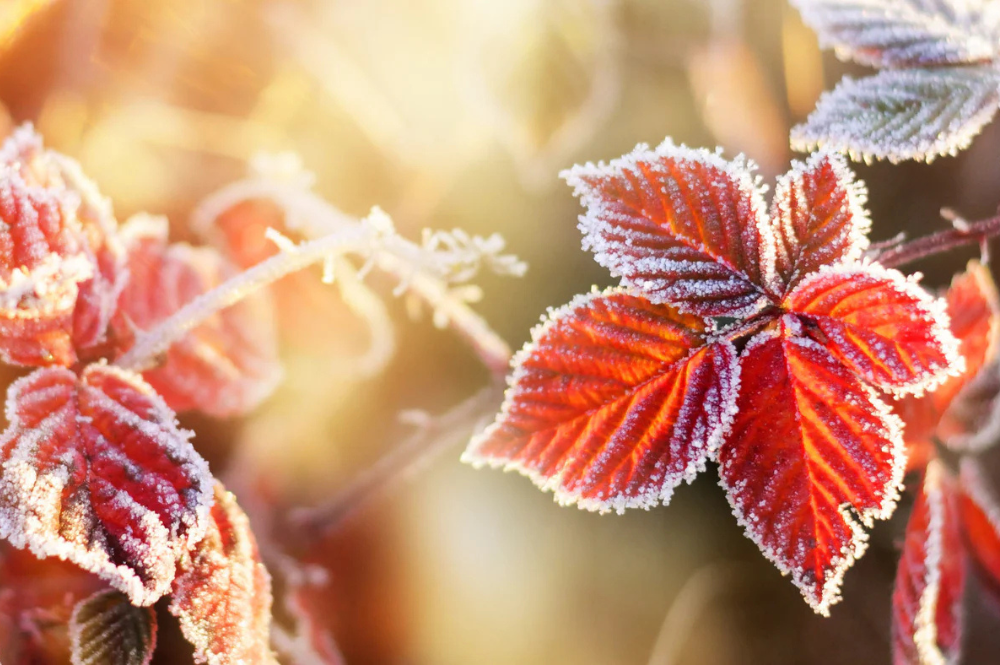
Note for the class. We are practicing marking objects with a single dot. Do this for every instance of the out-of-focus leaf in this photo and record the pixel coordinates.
(97, 472)
(222, 594)
(90, 220)
(106, 629)
(613, 404)
(930, 578)
(813, 456)
(894, 33)
(226, 365)
(960, 412)
(37, 597)
(981, 520)
(903, 114)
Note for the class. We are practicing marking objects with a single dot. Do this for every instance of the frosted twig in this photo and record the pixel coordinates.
(965, 233)
(429, 271)
(434, 436)
(150, 344)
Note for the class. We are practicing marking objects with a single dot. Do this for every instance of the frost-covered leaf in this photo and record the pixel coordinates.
(96, 471)
(37, 597)
(614, 402)
(106, 629)
(960, 411)
(813, 456)
(222, 594)
(684, 226)
(981, 519)
(930, 578)
(225, 366)
(818, 217)
(893, 33)
(42, 264)
(91, 222)
(884, 327)
(903, 114)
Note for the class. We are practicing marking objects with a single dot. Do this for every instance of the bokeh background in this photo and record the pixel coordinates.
(460, 113)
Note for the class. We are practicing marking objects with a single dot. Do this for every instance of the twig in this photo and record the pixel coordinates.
(965, 233)
(313, 217)
(157, 340)
(433, 437)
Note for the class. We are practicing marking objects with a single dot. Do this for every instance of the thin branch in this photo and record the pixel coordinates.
(962, 234)
(150, 344)
(433, 437)
(409, 263)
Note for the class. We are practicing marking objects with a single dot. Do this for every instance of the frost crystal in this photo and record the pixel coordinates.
(223, 367)
(96, 471)
(222, 594)
(927, 598)
(939, 86)
(622, 395)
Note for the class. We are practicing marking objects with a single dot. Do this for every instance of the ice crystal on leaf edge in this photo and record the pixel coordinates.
(639, 224)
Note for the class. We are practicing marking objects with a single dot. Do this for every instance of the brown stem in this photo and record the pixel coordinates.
(432, 438)
(970, 233)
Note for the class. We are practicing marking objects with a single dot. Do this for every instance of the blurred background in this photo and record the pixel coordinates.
(460, 113)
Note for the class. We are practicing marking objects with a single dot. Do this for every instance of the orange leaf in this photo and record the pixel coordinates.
(818, 217)
(222, 594)
(959, 411)
(981, 521)
(684, 226)
(808, 441)
(930, 579)
(225, 366)
(96, 471)
(37, 597)
(613, 404)
(884, 327)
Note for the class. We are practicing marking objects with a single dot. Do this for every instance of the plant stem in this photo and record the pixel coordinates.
(966, 234)
(432, 438)
(157, 340)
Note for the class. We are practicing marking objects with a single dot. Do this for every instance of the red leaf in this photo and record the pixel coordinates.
(95, 471)
(225, 366)
(89, 221)
(930, 579)
(885, 328)
(37, 597)
(981, 521)
(685, 226)
(42, 264)
(222, 594)
(808, 441)
(613, 404)
(818, 217)
(959, 421)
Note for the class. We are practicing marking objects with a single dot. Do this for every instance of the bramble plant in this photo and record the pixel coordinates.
(772, 339)
(766, 339)
(123, 329)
